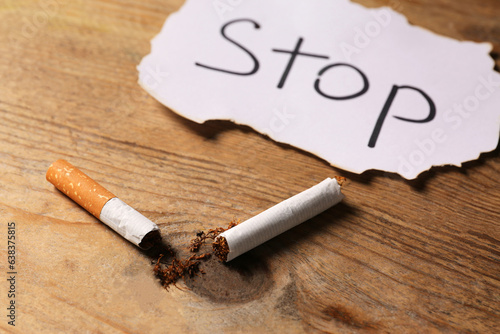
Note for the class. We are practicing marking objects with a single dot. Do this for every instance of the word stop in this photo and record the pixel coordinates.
(295, 53)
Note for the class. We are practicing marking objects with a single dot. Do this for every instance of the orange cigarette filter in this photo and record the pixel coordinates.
(78, 186)
(105, 206)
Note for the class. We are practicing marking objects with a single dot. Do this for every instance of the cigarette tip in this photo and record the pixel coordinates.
(340, 180)
(150, 239)
(221, 248)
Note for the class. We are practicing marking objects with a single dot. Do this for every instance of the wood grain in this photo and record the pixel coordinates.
(396, 256)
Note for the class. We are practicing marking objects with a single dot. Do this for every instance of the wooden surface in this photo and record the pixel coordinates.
(395, 256)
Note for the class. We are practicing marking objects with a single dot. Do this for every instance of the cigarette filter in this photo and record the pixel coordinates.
(105, 206)
(276, 220)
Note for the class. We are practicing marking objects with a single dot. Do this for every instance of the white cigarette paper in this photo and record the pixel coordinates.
(281, 217)
(125, 220)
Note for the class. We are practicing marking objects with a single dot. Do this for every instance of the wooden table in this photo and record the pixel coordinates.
(396, 256)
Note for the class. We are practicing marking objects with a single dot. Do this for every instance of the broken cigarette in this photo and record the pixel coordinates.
(278, 219)
(101, 203)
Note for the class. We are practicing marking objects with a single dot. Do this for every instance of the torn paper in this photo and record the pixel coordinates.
(358, 87)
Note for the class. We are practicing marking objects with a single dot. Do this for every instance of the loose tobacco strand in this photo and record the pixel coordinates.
(191, 267)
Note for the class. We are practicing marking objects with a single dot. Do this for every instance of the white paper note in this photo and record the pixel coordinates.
(360, 88)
